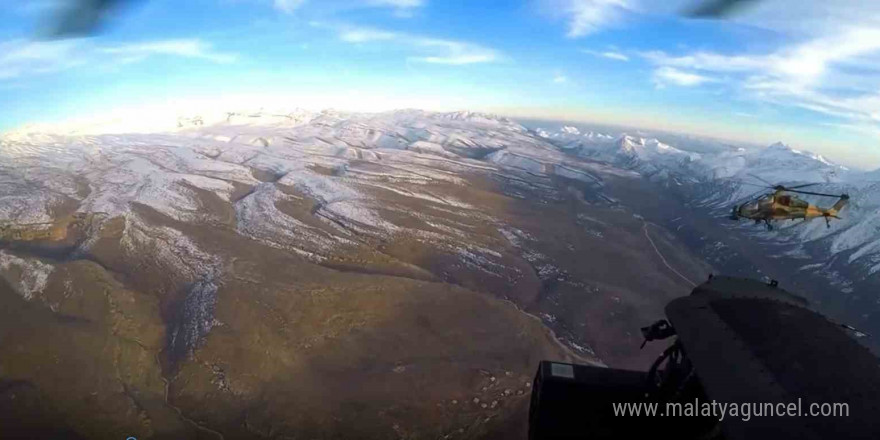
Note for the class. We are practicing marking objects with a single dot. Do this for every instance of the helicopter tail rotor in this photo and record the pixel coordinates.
(844, 199)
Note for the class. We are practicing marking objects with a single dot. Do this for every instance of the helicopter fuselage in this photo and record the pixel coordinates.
(782, 206)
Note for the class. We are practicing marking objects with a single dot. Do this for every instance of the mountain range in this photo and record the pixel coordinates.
(294, 272)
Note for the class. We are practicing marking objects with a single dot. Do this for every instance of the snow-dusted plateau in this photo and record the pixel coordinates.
(393, 275)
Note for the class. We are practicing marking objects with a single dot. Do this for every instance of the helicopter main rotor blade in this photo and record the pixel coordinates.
(744, 182)
(812, 193)
(752, 184)
(772, 185)
(803, 186)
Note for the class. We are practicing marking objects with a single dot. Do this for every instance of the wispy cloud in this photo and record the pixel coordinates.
(745, 114)
(584, 17)
(364, 35)
(182, 48)
(615, 56)
(827, 61)
(706, 61)
(804, 63)
(610, 54)
(20, 58)
(398, 3)
(815, 75)
(560, 79)
(288, 6)
(427, 50)
(666, 75)
(23, 58)
(453, 52)
(809, 18)
(402, 8)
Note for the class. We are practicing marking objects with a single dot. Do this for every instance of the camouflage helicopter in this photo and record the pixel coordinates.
(780, 205)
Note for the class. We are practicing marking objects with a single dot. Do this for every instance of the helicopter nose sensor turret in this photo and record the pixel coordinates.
(734, 213)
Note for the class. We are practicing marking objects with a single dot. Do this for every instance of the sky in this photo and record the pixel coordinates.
(805, 72)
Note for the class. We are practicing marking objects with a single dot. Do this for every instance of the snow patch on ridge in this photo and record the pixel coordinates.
(27, 276)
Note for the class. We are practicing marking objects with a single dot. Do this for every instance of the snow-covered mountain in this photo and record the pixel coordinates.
(650, 157)
(220, 153)
(775, 163)
(721, 179)
(321, 185)
(232, 265)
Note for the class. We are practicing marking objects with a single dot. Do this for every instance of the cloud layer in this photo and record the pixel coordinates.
(834, 75)
(24, 58)
(826, 57)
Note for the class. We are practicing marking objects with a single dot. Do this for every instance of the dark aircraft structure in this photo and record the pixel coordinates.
(82, 18)
(718, 8)
(735, 341)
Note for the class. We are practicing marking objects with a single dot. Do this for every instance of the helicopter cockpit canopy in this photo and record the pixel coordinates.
(755, 205)
(792, 201)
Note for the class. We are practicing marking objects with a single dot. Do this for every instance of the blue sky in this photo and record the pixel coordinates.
(805, 72)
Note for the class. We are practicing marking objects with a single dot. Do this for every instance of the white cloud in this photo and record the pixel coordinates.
(401, 7)
(363, 35)
(816, 74)
(288, 6)
(428, 50)
(454, 52)
(610, 54)
(457, 60)
(403, 4)
(584, 17)
(182, 48)
(800, 19)
(560, 79)
(615, 56)
(22, 58)
(816, 55)
(666, 75)
(810, 18)
(706, 61)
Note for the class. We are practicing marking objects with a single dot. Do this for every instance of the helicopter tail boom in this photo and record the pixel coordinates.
(844, 199)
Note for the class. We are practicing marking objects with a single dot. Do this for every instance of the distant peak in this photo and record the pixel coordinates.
(465, 115)
(779, 146)
(627, 141)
